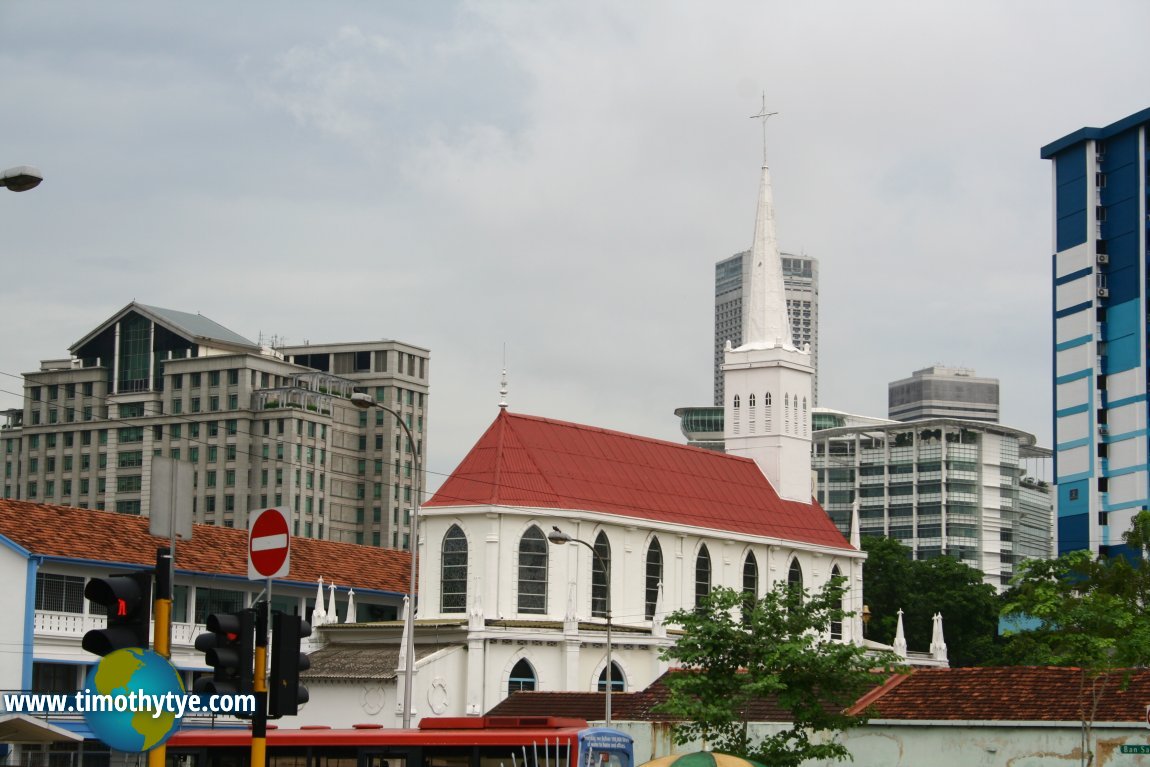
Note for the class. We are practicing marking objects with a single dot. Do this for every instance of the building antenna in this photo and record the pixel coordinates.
(503, 381)
(764, 115)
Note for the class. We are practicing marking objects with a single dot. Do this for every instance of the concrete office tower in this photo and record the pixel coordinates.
(942, 392)
(801, 287)
(971, 490)
(768, 380)
(1101, 201)
(262, 427)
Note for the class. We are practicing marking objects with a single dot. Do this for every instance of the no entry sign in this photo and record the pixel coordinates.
(269, 543)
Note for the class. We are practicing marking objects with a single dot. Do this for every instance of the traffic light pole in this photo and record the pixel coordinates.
(162, 634)
(260, 683)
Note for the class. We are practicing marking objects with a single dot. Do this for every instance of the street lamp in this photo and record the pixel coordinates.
(21, 178)
(363, 401)
(559, 538)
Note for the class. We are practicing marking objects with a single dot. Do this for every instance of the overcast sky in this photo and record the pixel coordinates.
(554, 178)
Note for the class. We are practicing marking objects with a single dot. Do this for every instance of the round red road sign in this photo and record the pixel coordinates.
(269, 544)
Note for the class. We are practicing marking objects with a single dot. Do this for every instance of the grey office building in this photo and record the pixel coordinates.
(942, 392)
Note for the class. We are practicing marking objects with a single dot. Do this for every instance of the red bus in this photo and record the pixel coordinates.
(498, 741)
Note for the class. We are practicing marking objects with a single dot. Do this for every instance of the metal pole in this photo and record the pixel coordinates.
(364, 401)
(162, 614)
(607, 575)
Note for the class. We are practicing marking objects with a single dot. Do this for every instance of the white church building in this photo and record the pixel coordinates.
(500, 609)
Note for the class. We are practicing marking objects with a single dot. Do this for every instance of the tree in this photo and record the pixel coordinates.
(737, 650)
(1087, 612)
(892, 580)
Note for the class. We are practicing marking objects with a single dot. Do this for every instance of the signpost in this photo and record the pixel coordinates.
(269, 544)
(269, 556)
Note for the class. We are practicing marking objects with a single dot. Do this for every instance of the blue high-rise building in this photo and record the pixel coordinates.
(1100, 315)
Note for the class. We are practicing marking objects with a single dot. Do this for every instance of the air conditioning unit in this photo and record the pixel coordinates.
(1103, 429)
(1103, 293)
(1103, 258)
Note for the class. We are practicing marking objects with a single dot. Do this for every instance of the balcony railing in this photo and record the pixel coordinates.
(57, 624)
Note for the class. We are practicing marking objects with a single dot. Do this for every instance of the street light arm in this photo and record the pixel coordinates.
(559, 538)
(363, 401)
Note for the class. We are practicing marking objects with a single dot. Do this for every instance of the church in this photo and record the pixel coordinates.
(552, 536)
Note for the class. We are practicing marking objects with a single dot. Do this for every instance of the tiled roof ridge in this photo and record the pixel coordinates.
(627, 435)
(504, 417)
(868, 698)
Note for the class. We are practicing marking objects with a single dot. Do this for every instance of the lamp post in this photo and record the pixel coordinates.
(364, 402)
(559, 538)
(21, 178)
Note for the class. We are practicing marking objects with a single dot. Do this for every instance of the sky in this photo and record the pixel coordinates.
(549, 185)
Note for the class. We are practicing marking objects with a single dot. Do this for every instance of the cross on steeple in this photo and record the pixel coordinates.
(764, 115)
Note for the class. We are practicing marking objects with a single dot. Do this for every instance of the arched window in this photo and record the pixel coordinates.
(618, 683)
(786, 413)
(533, 571)
(795, 579)
(767, 411)
(804, 416)
(601, 576)
(751, 576)
(751, 413)
(837, 624)
(453, 572)
(654, 577)
(702, 574)
(735, 425)
(522, 677)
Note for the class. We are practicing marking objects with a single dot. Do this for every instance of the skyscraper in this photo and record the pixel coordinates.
(801, 285)
(260, 426)
(1100, 352)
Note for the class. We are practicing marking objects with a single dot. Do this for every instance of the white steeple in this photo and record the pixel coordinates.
(767, 381)
(767, 321)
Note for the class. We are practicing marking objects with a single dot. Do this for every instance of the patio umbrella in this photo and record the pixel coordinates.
(701, 759)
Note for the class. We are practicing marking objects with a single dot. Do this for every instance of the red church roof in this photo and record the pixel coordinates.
(525, 461)
(64, 532)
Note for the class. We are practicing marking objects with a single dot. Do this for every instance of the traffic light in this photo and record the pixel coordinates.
(128, 601)
(285, 693)
(228, 647)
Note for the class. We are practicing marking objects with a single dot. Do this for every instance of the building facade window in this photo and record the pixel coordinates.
(533, 571)
(795, 579)
(453, 571)
(837, 624)
(751, 576)
(59, 593)
(522, 676)
(702, 574)
(618, 684)
(600, 576)
(654, 578)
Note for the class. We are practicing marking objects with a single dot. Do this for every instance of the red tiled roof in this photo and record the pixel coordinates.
(538, 462)
(66, 532)
(1011, 693)
(625, 706)
(1002, 694)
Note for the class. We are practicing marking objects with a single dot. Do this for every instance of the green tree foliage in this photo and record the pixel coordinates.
(892, 580)
(738, 650)
(1087, 612)
(1084, 611)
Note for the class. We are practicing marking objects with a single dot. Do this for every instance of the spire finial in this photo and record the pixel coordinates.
(764, 115)
(503, 382)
